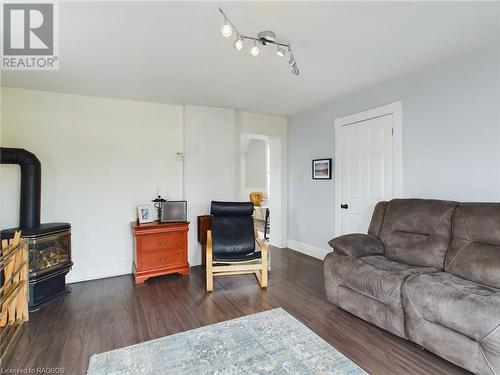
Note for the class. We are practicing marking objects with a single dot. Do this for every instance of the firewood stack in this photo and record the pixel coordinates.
(13, 291)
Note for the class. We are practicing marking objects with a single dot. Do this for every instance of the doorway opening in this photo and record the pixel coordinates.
(256, 178)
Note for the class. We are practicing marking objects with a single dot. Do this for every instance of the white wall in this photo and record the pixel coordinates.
(103, 157)
(209, 164)
(256, 165)
(451, 141)
(100, 158)
(212, 168)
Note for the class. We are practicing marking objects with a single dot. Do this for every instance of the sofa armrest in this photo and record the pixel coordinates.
(356, 245)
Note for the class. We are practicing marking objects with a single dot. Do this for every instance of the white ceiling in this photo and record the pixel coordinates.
(174, 52)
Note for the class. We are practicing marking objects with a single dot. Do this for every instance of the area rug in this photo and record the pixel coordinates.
(271, 342)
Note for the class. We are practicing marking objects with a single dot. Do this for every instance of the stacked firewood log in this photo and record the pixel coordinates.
(13, 291)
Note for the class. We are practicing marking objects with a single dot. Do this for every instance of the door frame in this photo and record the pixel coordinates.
(395, 109)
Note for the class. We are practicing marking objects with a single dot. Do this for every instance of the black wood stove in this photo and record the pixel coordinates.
(49, 244)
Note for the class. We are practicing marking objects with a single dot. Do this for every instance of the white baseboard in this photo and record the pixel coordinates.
(312, 251)
(278, 242)
(100, 271)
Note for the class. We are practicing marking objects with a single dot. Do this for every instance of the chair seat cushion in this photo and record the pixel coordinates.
(464, 306)
(237, 257)
(376, 276)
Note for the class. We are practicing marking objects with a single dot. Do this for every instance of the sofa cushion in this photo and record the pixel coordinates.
(377, 219)
(375, 278)
(475, 249)
(462, 306)
(465, 306)
(417, 231)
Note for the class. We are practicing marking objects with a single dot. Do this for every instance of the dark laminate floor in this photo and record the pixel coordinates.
(111, 313)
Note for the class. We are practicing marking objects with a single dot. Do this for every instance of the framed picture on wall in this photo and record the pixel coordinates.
(322, 169)
(145, 214)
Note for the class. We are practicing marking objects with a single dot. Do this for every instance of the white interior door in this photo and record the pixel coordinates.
(367, 170)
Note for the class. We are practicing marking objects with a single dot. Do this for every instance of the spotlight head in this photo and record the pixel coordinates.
(238, 44)
(226, 29)
(255, 50)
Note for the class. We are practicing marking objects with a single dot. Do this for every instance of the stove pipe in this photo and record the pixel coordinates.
(30, 184)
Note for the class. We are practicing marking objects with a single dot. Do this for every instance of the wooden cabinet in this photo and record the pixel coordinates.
(204, 224)
(160, 249)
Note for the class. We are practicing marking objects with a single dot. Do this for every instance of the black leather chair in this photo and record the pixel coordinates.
(231, 243)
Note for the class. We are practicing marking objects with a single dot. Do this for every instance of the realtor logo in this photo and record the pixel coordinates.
(29, 36)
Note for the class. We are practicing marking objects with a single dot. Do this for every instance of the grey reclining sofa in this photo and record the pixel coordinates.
(427, 271)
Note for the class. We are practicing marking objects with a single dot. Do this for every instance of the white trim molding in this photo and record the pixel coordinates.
(396, 110)
(278, 242)
(313, 251)
(101, 271)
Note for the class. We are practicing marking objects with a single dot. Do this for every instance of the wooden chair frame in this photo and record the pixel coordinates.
(257, 266)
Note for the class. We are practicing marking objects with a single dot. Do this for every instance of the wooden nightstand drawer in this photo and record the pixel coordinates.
(163, 241)
(159, 259)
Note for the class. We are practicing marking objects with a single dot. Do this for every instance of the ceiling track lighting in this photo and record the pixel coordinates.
(264, 38)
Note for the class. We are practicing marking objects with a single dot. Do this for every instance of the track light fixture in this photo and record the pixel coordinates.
(263, 38)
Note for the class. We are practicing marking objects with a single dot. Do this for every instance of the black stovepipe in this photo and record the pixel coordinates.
(31, 175)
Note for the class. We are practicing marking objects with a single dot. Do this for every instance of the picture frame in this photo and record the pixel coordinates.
(145, 214)
(322, 169)
(173, 211)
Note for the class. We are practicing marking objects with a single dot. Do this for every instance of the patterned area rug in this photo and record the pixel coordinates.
(271, 342)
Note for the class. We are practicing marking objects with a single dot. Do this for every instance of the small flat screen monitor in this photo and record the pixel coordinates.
(173, 211)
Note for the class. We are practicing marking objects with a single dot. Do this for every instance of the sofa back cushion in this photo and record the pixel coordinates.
(377, 219)
(474, 253)
(417, 231)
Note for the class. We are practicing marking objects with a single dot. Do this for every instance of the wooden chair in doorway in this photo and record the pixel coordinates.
(231, 244)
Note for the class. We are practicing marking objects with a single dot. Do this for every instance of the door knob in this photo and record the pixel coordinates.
(344, 206)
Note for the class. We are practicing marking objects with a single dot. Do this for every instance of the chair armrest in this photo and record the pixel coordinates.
(356, 245)
(208, 249)
(262, 245)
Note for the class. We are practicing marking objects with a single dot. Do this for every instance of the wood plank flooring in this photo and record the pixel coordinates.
(106, 314)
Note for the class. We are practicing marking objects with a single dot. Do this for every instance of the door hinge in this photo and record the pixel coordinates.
(392, 130)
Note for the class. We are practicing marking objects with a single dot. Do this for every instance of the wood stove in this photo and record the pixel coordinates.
(49, 244)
